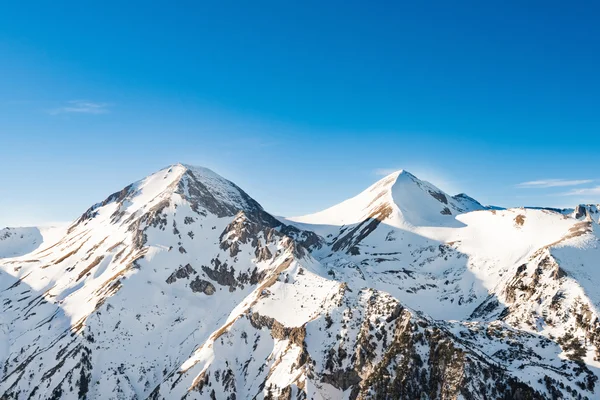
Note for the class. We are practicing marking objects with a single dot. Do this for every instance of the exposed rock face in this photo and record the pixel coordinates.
(203, 199)
(117, 197)
(222, 274)
(351, 239)
(580, 211)
(423, 358)
(439, 196)
(181, 273)
(252, 227)
(200, 285)
(295, 335)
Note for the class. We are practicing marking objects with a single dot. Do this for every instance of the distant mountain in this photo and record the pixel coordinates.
(18, 241)
(181, 286)
(411, 201)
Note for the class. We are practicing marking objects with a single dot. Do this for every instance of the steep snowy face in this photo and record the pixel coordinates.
(357, 208)
(15, 242)
(399, 205)
(205, 192)
(422, 204)
(401, 199)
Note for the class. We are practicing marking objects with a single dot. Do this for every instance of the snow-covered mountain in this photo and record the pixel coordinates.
(20, 241)
(181, 286)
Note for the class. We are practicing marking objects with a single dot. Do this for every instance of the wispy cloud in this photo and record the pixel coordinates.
(591, 191)
(81, 107)
(385, 171)
(549, 183)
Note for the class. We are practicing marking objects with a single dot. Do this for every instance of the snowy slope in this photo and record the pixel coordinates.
(15, 242)
(416, 203)
(181, 285)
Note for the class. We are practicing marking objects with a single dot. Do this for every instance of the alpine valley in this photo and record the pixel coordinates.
(181, 286)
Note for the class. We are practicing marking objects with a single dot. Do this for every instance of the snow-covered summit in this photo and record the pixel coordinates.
(401, 197)
(18, 241)
(205, 191)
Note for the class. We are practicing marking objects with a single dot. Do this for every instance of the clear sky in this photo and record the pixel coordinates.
(301, 103)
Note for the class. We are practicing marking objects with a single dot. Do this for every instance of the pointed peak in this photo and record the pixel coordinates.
(418, 202)
(397, 174)
(204, 190)
(405, 173)
(190, 167)
(182, 168)
(391, 179)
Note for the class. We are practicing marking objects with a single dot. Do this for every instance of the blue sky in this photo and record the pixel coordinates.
(302, 104)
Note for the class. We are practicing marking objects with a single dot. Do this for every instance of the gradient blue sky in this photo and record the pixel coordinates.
(302, 104)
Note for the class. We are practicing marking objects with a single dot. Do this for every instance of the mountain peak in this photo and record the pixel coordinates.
(206, 189)
(203, 189)
(414, 201)
(201, 170)
(394, 176)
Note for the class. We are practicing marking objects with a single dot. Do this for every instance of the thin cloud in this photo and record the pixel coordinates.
(385, 171)
(81, 107)
(549, 183)
(591, 191)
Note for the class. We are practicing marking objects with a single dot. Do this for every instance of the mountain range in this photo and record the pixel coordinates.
(181, 286)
